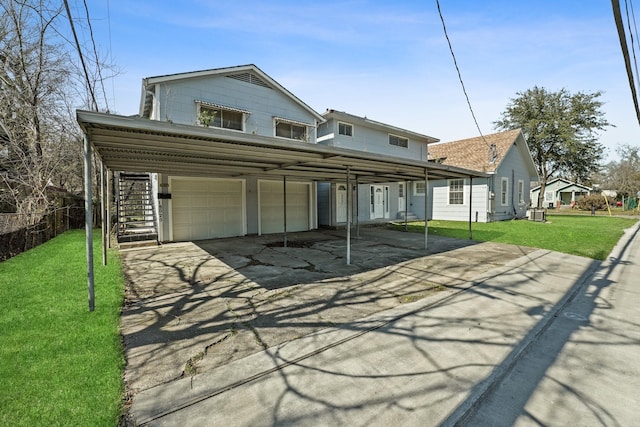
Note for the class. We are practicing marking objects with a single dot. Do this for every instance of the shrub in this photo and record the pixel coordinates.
(588, 202)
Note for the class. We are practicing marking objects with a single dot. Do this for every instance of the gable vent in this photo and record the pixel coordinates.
(250, 78)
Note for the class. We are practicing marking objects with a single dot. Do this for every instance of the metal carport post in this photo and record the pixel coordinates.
(88, 220)
(426, 208)
(349, 213)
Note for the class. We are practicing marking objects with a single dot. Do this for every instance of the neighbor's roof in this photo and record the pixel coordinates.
(249, 73)
(474, 153)
(353, 119)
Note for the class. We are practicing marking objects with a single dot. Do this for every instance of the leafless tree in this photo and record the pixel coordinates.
(39, 88)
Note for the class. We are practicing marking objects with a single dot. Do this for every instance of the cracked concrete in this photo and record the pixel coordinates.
(192, 307)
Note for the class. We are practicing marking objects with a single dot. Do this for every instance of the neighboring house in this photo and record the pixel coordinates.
(235, 100)
(377, 202)
(560, 190)
(504, 195)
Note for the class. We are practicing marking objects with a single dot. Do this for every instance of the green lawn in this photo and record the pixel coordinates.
(588, 236)
(59, 363)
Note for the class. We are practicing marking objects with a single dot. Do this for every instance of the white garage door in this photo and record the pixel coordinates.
(271, 207)
(206, 209)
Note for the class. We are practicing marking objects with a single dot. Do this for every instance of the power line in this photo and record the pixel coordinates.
(615, 4)
(95, 52)
(84, 65)
(464, 90)
(629, 5)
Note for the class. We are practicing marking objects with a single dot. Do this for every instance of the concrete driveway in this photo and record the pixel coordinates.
(193, 307)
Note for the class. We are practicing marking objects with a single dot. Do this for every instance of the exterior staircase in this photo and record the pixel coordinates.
(137, 220)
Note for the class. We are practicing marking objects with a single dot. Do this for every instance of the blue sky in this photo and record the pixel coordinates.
(385, 60)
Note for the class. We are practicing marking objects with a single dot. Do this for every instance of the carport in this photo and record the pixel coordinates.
(135, 144)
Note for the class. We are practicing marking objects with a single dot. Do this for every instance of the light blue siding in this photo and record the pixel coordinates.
(370, 140)
(177, 103)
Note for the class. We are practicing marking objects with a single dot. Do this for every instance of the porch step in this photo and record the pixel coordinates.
(138, 244)
(409, 216)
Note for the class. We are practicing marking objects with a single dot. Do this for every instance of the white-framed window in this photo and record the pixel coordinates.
(345, 129)
(504, 191)
(456, 191)
(521, 192)
(291, 129)
(401, 189)
(548, 196)
(418, 188)
(398, 141)
(219, 116)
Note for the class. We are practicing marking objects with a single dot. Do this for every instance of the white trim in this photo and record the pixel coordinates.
(291, 121)
(347, 124)
(521, 200)
(504, 180)
(221, 107)
(415, 188)
(464, 196)
(245, 114)
(399, 137)
(184, 178)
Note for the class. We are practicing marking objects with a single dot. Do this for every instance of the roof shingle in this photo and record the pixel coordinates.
(474, 153)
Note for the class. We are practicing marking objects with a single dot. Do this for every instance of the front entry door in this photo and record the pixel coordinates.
(377, 202)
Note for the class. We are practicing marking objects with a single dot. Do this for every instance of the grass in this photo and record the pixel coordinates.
(588, 236)
(59, 363)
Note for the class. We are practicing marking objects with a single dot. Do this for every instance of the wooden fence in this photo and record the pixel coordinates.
(15, 237)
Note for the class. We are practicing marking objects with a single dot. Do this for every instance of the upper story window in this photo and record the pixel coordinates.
(398, 141)
(291, 129)
(220, 116)
(456, 191)
(345, 129)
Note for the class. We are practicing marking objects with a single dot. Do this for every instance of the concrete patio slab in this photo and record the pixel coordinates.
(192, 307)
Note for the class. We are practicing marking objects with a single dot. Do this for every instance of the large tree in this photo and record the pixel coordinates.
(623, 176)
(561, 130)
(41, 143)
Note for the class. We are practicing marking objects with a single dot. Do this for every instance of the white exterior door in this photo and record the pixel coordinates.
(206, 208)
(341, 203)
(402, 201)
(377, 201)
(271, 196)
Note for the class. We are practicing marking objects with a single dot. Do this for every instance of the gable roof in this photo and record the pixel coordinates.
(561, 184)
(476, 153)
(249, 73)
(364, 121)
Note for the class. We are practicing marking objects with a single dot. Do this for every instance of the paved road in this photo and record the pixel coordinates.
(547, 339)
(585, 368)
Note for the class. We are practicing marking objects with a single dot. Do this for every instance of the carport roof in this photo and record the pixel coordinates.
(141, 145)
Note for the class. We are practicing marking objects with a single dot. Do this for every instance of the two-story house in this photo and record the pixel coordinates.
(241, 100)
(377, 202)
(229, 152)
